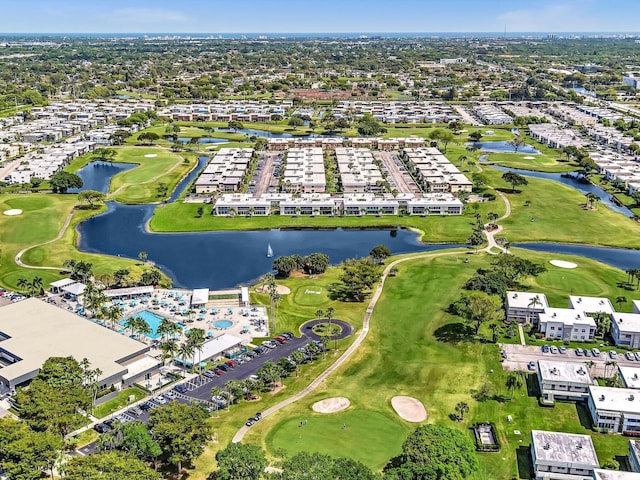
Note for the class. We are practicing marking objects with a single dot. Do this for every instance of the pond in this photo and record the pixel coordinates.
(97, 175)
(573, 182)
(503, 147)
(203, 140)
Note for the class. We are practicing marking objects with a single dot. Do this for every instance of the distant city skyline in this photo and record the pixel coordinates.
(328, 16)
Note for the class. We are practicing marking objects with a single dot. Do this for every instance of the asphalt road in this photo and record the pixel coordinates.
(402, 179)
(264, 178)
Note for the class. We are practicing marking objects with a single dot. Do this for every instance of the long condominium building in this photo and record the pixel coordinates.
(358, 171)
(435, 171)
(304, 171)
(225, 171)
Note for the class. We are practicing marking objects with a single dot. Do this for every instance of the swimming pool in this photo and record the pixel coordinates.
(223, 324)
(152, 320)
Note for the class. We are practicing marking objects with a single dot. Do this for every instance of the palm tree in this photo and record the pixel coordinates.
(143, 327)
(620, 300)
(609, 363)
(603, 323)
(112, 314)
(461, 409)
(494, 329)
(167, 328)
(319, 314)
(185, 351)
(23, 283)
(169, 349)
(329, 315)
(590, 364)
(515, 381)
(36, 285)
(196, 338)
(132, 323)
(216, 392)
(592, 198)
(297, 357)
(535, 301)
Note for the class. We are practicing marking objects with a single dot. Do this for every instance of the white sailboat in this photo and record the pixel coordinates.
(269, 251)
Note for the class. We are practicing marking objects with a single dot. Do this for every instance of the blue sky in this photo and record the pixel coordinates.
(309, 16)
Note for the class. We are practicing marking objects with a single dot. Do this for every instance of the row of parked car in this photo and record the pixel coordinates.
(591, 352)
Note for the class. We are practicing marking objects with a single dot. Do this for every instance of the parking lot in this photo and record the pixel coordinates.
(264, 178)
(519, 356)
(200, 389)
(400, 177)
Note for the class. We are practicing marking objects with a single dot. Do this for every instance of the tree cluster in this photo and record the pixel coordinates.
(313, 264)
(357, 279)
(505, 273)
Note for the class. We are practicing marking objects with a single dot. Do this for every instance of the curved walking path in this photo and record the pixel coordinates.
(349, 351)
(491, 241)
(18, 257)
(365, 324)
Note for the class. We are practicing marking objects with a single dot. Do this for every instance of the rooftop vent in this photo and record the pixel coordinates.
(631, 398)
(546, 446)
(579, 445)
(601, 398)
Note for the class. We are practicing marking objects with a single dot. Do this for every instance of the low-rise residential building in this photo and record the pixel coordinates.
(562, 456)
(563, 381)
(634, 455)
(566, 324)
(241, 204)
(591, 305)
(434, 171)
(358, 171)
(368, 204)
(525, 307)
(629, 376)
(304, 171)
(225, 171)
(600, 474)
(435, 204)
(615, 410)
(625, 329)
(309, 204)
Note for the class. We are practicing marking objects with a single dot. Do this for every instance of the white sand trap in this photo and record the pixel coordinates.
(529, 158)
(563, 264)
(13, 212)
(281, 289)
(331, 405)
(409, 408)
(150, 155)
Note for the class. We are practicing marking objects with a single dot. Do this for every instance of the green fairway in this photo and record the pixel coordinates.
(311, 295)
(140, 184)
(416, 348)
(366, 438)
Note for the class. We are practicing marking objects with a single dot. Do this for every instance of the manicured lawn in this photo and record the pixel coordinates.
(139, 185)
(182, 217)
(415, 348)
(559, 216)
(366, 438)
(121, 401)
(542, 162)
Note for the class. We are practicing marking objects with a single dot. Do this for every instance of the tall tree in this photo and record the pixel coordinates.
(182, 431)
(107, 466)
(241, 462)
(63, 181)
(477, 307)
(380, 253)
(514, 179)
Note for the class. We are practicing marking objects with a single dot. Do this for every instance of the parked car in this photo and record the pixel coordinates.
(553, 349)
(545, 348)
(579, 351)
(250, 422)
(596, 352)
(630, 356)
(258, 416)
(562, 349)
(160, 399)
(217, 371)
(101, 428)
(231, 363)
(146, 406)
(637, 355)
(613, 354)
(280, 339)
(288, 335)
(180, 389)
(223, 367)
(170, 394)
(209, 374)
(532, 365)
(588, 353)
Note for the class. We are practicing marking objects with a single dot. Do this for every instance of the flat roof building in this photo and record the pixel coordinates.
(630, 376)
(566, 324)
(599, 474)
(31, 331)
(591, 304)
(563, 381)
(304, 171)
(225, 171)
(625, 329)
(525, 307)
(562, 456)
(358, 170)
(615, 410)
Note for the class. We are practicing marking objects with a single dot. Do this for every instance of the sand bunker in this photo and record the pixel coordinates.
(13, 212)
(563, 264)
(331, 405)
(150, 155)
(529, 158)
(409, 409)
(281, 289)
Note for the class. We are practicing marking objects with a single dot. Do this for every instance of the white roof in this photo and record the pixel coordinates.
(125, 292)
(627, 322)
(244, 293)
(623, 400)
(591, 304)
(38, 330)
(523, 300)
(563, 372)
(564, 449)
(566, 316)
(75, 288)
(630, 376)
(599, 474)
(200, 296)
(217, 345)
(62, 283)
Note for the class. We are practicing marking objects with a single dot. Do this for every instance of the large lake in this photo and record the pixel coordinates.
(225, 259)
